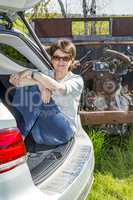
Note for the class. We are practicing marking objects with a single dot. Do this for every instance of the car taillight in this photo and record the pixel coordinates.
(12, 149)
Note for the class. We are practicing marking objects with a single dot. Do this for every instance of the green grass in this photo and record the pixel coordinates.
(102, 28)
(113, 175)
(19, 25)
(106, 187)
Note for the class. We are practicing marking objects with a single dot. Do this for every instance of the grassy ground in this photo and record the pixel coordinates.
(113, 176)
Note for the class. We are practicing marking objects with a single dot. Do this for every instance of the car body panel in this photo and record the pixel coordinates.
(21, 43)
(17, 184)
(6, 118)
(15, 5)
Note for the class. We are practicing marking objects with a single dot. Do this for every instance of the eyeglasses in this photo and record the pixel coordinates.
(64, 58)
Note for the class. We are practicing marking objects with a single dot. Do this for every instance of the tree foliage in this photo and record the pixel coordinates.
(41, 9)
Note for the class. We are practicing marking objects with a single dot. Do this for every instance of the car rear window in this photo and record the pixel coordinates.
(15, 55)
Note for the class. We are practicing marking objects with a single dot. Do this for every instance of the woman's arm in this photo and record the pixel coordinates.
(17, 81)
(74, 85)
(45, 81)
(49, 82)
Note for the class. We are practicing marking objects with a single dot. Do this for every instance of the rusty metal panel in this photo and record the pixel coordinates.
(91, 18)
(53, 27)
(122, 26)
(106, 117)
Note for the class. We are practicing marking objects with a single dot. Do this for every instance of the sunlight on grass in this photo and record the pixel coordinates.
(19, 25)
(114, 166)
(77, 28)
(102, 28)
(106, 187)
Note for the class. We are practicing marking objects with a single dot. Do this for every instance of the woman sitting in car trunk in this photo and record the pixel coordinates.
(51, 119)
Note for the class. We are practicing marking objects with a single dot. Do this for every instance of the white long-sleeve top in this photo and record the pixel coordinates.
(68, 101)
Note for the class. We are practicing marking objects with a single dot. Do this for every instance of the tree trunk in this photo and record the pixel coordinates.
(93, 14)
(85, 13)
(62, 8)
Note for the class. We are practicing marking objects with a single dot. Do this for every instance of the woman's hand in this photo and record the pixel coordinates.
(26, 74)
(45, 94)
(14, 79)
(22, 78)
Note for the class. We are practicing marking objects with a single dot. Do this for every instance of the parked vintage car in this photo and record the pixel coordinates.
(30, 171)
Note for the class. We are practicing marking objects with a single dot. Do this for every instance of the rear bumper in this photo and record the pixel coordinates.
(73, 180)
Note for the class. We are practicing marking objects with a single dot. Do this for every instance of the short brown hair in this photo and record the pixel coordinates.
(66, 46)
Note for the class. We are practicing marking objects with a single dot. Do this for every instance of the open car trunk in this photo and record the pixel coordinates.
(42, 160)
(51, 165)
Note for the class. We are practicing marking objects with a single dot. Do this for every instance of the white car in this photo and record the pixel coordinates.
(30, 171)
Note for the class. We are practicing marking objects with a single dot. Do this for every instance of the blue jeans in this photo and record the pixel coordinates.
(45, 122)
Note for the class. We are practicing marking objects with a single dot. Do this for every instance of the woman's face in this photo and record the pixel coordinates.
(61, 61)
